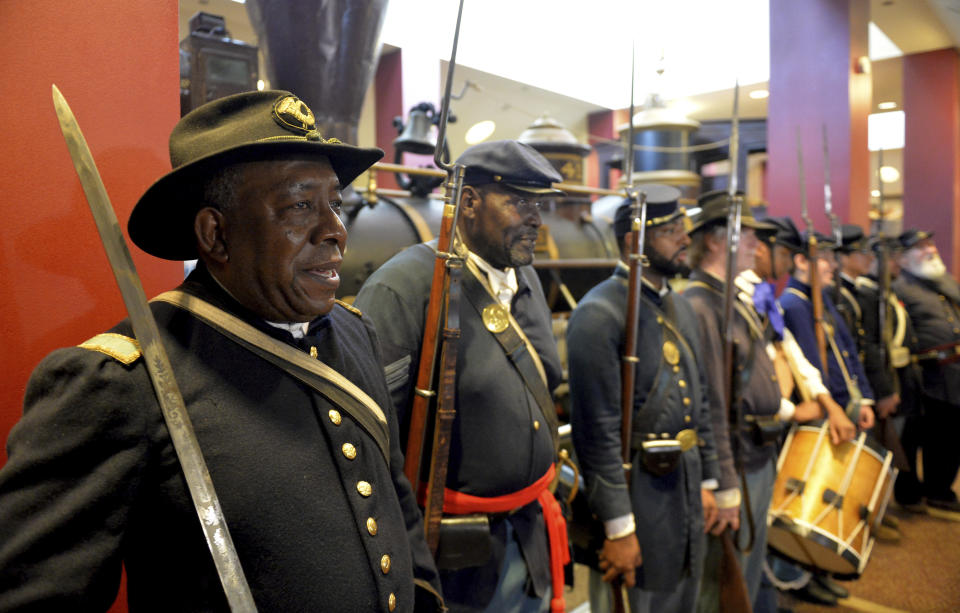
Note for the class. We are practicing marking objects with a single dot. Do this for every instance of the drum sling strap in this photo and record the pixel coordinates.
(320, 377)
(524, 358)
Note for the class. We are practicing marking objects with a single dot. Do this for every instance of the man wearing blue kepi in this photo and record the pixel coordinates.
(503, 439)
(932, 298)
(845, 377)
(655, 528)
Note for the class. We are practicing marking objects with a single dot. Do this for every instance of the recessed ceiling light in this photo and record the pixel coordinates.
(889, 174)
(886, 106)
(480, 132)
(759, 94)
(875, 193)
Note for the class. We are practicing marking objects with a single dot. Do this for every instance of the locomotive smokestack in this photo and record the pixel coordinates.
(324, 51)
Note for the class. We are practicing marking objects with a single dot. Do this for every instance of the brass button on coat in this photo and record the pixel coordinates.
(536, 425)
(686, 419)
(372, 526)
(364, 488)
(349, 451)
(392, 601)
(385, 563)
(686, 402)
(682, 383)
(334, 416)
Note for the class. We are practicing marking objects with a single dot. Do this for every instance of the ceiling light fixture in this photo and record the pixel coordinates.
(759, 94)
(480, 132)
(875, 193)
(886, 106)
(889, 174)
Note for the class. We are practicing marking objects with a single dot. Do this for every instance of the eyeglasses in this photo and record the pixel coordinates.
(525, 207)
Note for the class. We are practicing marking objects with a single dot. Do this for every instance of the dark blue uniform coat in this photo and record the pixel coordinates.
(668, 509)
(499, 443)
(798, 316)
(934, 308)
(93, 481)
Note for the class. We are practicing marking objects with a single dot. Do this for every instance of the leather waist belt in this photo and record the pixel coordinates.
(944, 354)
(458, 503)
(686, 438)
(762, 420)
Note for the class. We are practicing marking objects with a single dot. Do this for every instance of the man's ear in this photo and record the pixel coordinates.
(470, 200)
(800, 261)
(209, 228)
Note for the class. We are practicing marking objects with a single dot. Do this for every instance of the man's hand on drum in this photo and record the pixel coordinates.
(841, 428)
(866, 417)
(621, 557)
(709, 508)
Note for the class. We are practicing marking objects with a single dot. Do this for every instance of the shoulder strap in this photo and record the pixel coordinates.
(515, 344)
(121, 348)
(322, 378)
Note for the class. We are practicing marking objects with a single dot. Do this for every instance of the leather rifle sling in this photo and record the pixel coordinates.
(516, 346)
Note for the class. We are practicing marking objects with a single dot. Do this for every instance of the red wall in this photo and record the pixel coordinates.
(931, 161)
(117, 64)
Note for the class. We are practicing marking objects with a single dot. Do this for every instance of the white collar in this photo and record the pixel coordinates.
(503, 283)
(297, 329)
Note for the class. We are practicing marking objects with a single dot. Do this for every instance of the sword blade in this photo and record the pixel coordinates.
(158, 364)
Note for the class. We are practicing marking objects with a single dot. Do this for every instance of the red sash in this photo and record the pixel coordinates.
(458, 503)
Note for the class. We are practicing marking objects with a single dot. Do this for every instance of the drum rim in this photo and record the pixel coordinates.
(870, 444)
(819, 536)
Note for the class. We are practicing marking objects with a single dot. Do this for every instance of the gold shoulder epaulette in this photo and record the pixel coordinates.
(350, 308)
(119, 347)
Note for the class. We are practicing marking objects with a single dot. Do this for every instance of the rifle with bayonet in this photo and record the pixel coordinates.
(185, 444)
(443, 313)
(628, 366)
(733, 588)
(828, 209)
(813, 257)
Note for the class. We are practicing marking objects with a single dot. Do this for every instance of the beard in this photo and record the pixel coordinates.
(930, 268)
(521, 250)
(668, 267)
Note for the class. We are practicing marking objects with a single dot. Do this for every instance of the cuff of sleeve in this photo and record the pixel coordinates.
(709, 484)
(727, 499)
(619, 527)
(866, 402)
(787, 410)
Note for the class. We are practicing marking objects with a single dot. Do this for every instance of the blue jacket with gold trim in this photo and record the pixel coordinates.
(498, 443)
(93, 482)
(798, 316)
(670, 397)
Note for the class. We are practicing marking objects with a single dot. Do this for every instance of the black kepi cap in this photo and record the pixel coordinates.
(662, 208)
(244, 127)
(784, 233)
(714, 208)
(511, 164)
(910, 238)
(853, 239)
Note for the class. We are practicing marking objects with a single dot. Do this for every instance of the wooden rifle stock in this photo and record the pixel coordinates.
(443, 309)
(816, 297)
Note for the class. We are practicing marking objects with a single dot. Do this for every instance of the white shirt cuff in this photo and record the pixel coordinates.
(787, 410)
(727, 499)
(619, 527)
(709, 484)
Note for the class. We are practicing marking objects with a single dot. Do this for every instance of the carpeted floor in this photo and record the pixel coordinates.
(921, 574)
